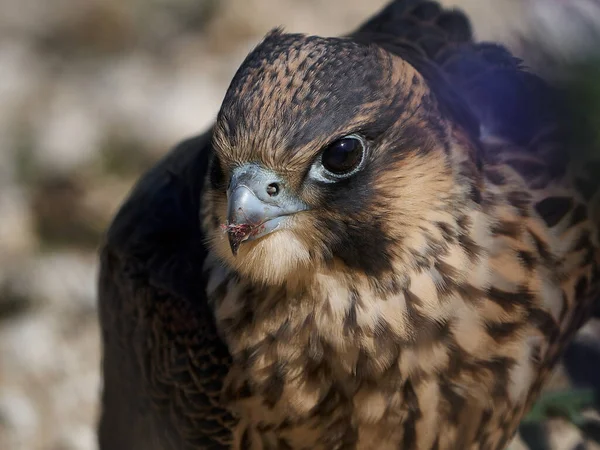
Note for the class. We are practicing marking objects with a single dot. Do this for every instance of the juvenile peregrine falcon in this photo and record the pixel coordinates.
(384, 242)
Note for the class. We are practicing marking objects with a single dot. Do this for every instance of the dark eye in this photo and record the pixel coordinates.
(343, 156)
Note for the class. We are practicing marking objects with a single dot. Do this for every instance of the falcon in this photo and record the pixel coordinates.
(385, 241)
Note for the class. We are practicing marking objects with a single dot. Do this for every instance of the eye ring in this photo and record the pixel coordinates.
(343, 157)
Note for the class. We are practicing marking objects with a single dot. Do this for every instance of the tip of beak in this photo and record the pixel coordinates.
(234, 243)
(237, 234)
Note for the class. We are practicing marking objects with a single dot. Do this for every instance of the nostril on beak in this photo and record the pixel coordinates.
(273, 189)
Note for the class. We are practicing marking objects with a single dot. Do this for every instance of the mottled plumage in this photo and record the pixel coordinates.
(418, 301)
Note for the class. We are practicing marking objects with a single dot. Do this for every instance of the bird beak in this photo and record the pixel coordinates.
(258, 202)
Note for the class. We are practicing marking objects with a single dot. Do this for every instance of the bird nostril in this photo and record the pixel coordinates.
(273, 189)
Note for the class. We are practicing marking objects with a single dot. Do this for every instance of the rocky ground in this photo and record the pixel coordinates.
(91, 93)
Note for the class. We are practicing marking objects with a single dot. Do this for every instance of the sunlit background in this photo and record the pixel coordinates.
(92, 92)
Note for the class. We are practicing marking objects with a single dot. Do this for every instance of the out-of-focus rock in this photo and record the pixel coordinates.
(17, 236)
(22, 78)
(52, 355)
(158, 103)
(19, 420)
(240, 22)
(101, 28)
(68, 132)
(76, 438)
(28, 347)
(61, 280)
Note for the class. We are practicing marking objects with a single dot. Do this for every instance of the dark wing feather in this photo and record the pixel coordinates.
(424, 25)
(510, 102)
(505, 99)
(163, 361)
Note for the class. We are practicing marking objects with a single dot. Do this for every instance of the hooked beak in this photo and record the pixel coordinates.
(258, 203)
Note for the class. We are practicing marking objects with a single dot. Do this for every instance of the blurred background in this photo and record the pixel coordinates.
(93, 92)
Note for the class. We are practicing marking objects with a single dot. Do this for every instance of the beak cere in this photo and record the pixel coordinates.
(257, 204)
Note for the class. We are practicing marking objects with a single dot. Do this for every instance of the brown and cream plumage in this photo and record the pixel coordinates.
(384, 242)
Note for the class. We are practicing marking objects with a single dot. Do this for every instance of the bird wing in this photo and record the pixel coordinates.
(163, 361)
(506, 100)
(424, 25)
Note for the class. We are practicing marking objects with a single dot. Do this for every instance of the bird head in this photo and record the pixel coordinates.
(328, 151)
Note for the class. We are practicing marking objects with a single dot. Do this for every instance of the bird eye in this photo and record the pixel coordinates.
(343, 156)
